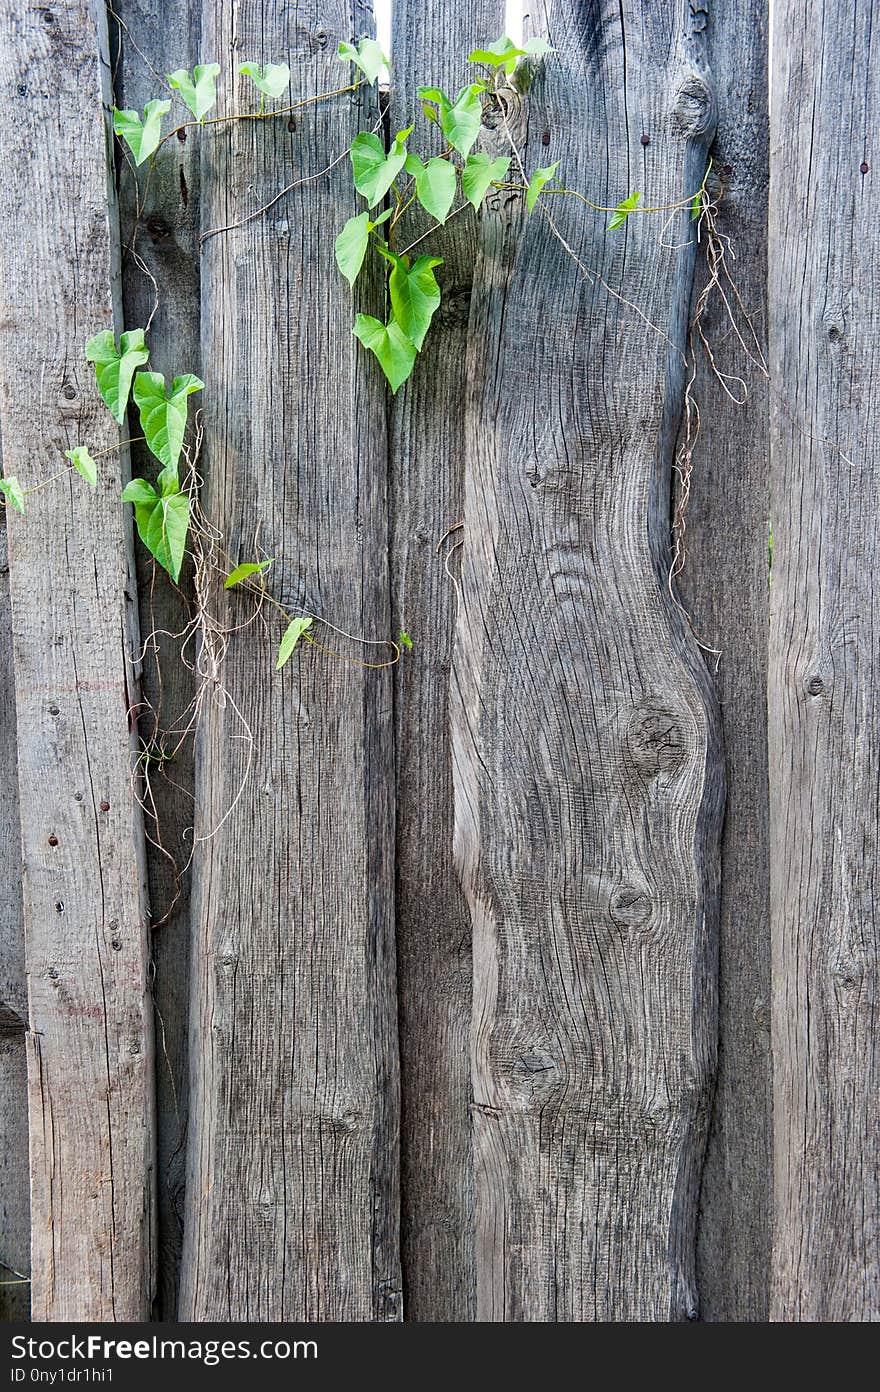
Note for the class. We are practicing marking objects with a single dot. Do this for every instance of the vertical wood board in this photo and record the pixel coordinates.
(90, 1046)
(825, 663)
(292, 1196)
(587, 771)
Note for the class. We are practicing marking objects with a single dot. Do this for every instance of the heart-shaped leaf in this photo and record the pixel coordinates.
(162, 520)
(115, 367)
(83, 462)
(350, 246)
(459, 120)
(396, 352)
(370, 58)
(415, 295)
(167, 531)
(12, 492)
(292, 634)
(623, 210)
(271, 80)
(479, 172)
(243, 571)
(537, 182)
(198, 90)
(163, 412)
(504, 53)
(142, 136)
(374, 171)
(435, 185)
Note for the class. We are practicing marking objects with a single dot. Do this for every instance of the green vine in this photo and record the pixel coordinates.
(393, 182)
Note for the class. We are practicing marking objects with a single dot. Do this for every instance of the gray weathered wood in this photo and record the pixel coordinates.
(825, 662)
(587, 772)
(15, 1224)
(724, 587)
(90, 1035)
(430, 46)
(157, 38)
(292, 1192)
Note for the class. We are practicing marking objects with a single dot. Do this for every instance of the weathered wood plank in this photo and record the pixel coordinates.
(157, 38)
(292, 1193)
(724, 587)
(430, 46)
(824, 659)
(90, 1040)
(15, 1222)
(587, 772)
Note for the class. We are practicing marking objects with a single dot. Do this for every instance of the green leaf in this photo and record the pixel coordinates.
(115, 367)
(374, 171)
(168, 481)
(396, 352)
(479, 172)
(292, 634)
(139, 491)
(696, 205)
(83, 462)
(167, 530)
(538, 180)
(199, 90)
(12, 492)
(536, 48)
(505, 53)
(623, 210)
(502, 53)
(242, 572)
(435, 187)
(350, 246)
(370, 59)
(271, 80)
(460, 122)
(141, 136)
(162, 520)
(415, 295)
(436, 95)
(163, 412)
(404, 639)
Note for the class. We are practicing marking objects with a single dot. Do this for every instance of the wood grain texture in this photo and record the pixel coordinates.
(157, 38)
(15, 1222)
(724, 586)
(587, 772)
(292, 1193)
(431, 44)
(90, 1047)
(824, 661)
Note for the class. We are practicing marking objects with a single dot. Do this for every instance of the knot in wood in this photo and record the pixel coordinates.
(655, 741)
(454, 308)
(630, 907)
(695, 110)
(505, 111)
(158, 229)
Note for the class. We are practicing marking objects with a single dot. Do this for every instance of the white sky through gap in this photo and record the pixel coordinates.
(382, 15)
(514, 11)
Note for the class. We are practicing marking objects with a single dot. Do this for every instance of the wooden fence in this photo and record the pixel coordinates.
(463, 1008)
